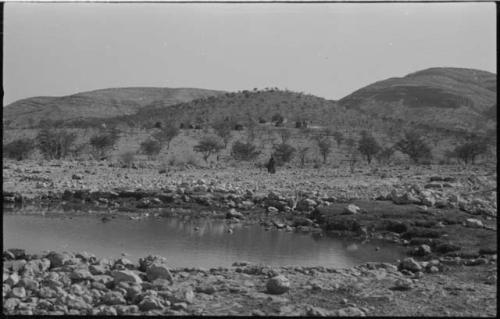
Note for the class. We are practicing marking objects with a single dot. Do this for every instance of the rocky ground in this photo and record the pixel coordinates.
(445, 216)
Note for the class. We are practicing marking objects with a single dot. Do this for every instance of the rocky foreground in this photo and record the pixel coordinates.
(81, 284)
(445, 216)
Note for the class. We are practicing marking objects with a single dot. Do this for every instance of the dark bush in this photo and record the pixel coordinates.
(415, 147)
(150, 148)
(421, 232)
(368, 146)
(283, 153)
(102, 143)
(244, 151)
(166, 134)
(19, 149)
(446, 248)
(396, 227)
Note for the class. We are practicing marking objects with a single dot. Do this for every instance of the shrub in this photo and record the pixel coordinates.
(302, 151)
(285, 135)
(103, 143)
(277, 118)
(55, 144)
(244, 151)
(166, 134)
(414, 146)
(127, 158)
(283, 153)
(368, 146)
(19, 149)
(208, 146)
(324, 146)
(151, 148)
(385, 154)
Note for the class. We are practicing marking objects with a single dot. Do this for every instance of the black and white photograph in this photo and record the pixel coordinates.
(289, 159)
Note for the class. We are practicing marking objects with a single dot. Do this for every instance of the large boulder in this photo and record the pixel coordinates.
(145, 263)
(57, 259)
(278, 285)
(159, 271)
(125, 276)
(410, 264)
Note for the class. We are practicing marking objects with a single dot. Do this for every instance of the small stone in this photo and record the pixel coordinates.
(18, 292)
(352, 209)
(11, 303)
(474, 223)
(278, 285)
(12, 279)
(150, 303)
(113, 298)
(180, 306)
(81, 274)
(433, 269)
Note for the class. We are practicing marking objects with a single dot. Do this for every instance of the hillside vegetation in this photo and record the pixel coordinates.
(448, 98)
(99, 104)
(445, 107)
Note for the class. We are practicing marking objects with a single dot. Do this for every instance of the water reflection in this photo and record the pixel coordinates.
(186, 241)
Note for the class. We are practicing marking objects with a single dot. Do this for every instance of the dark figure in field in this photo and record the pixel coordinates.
(271, 166)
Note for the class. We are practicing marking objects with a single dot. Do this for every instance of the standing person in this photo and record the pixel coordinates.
(271, 165)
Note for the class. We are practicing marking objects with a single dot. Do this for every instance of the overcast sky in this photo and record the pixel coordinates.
(328, 50)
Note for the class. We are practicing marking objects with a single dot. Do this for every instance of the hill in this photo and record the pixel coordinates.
(447, 98)
(103, 103)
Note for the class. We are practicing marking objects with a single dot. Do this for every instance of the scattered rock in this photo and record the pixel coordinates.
(410, 264)
(278, 285)
(161, 271)
(125, 276)
(352, 209)
(474, 223)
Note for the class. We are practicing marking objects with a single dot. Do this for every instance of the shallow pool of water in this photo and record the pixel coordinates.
(186, 243)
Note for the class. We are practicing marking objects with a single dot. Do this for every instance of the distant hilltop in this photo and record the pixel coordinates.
(440, 98)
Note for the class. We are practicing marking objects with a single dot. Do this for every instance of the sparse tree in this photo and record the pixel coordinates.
(339, 137)
(208, 146)
(103, 143)
(223, 129)
(244, 151)
(368, 146)
(302, 151)
(166, 134)
(19, 149)
(468, 151)
(414, 146)
(324, 146)
(283, 153)
(55, 144)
